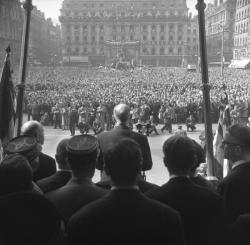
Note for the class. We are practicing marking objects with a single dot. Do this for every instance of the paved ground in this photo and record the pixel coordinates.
(157, 175)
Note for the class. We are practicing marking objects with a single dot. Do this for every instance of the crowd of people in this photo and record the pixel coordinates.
(166, 94)
(42, 204)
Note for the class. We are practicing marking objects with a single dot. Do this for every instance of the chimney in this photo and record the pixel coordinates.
(221, 1)
(215, 3)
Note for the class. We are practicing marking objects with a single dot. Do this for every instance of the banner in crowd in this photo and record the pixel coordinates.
(7, 102)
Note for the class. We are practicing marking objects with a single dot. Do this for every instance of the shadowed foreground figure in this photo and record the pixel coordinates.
(63, 175)
(201, 210)
(47, 165)
(235, 187)
(125, 216)
(80, 190)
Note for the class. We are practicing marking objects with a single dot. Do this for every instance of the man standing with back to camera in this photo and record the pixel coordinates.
(121, 130)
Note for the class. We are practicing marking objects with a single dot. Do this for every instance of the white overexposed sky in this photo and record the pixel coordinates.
(51, 7)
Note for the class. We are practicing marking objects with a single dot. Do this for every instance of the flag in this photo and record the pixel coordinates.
(223, 123)
(7, 102)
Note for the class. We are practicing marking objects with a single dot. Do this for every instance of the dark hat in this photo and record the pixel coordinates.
(82, 144)
(25, 145)
(179, 126)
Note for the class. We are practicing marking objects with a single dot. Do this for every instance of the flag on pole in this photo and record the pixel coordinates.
(7, 102)
(223, 123)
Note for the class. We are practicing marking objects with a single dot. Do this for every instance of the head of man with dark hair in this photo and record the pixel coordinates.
(35, 129)
(237, 143)
(200, 157)
(62, 175)
(121, 113)
(15, 175)
(123, 162)
(235, 187)
(179, 155)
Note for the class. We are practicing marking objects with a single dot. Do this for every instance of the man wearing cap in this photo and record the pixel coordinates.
(125, 215)
(235, 187)
(47, 165)
(80, 190)
(121, 130)
(27, 146)
(63, 175)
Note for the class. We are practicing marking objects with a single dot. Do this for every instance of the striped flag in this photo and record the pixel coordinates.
(7, 102)
(223, 123)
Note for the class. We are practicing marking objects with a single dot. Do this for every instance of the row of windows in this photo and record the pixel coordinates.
(241, 3)
(132, 38)
(129, 13)
(14, 13)
(161, 27)
(101, 5)
(218, 17)
(240, 42)
(242, 14)
(145, 51)
(10, 31)
(241, 28)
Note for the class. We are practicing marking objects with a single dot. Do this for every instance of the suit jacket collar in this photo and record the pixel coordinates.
(180, 180)
(240, 167)
(121, 126)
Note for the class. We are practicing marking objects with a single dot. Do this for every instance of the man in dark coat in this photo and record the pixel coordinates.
(235, 187)
(125, 216)
(201, 209)
(47, 165)
(80, 190)
(73, 120)
(63, 174)
(121, 130)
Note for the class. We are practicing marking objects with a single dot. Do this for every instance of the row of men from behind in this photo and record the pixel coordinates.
(124, 212)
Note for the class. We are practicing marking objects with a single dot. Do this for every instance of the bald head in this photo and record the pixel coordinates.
(35, 129)
(122, 113)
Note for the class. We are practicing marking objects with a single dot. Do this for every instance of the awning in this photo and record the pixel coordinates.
(240, 64)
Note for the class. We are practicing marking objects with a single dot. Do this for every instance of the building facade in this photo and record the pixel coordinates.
(144, 31)
(45, 39)
(242, 30)
(10, 28)
(220, 24)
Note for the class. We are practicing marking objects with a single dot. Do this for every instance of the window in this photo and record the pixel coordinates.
(131, 38)
(144, 38)
(170, 50)
(153, 51)
(162, 51)
(162, 28)
(101, 38)
(153, 38)
(162, 38)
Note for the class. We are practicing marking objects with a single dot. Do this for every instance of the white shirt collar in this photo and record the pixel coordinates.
(238, 163)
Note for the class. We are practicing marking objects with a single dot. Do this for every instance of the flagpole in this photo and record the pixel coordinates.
(205, 88)
(23, 64)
